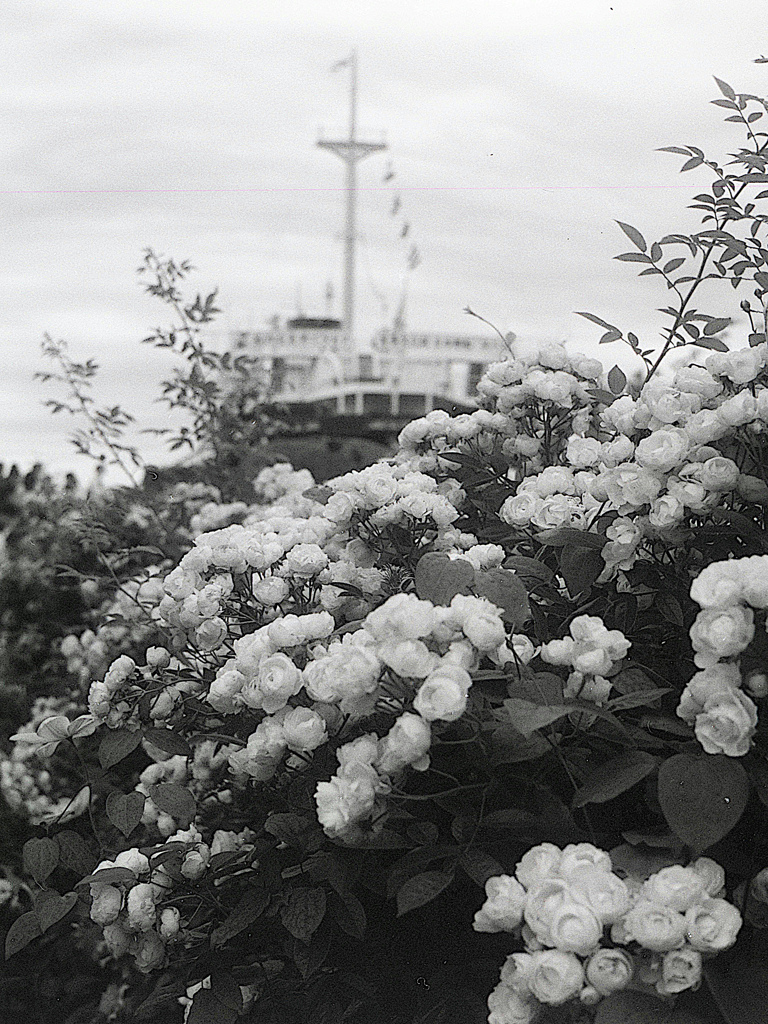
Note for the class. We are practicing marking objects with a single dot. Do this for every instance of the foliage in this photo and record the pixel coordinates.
(528, 647)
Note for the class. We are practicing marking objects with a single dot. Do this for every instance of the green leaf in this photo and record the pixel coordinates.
(617, 380)
(580, 568)
(633, 1008)
(725, 89)
(349, 913)
(51, 908)
(40, 858)
(168, 741)
(713, 343)
(124, 810)
(633, 235)
(506, 590)
(74, 852)
(117, 744)
(110, 876)
(422, 889)
(633, 257)
(207, 1008)
(304, 910)
(439, 578)
(614, 777)
(529, 568)
(702, 797)
(695, 161)
(288, 828)
(716, 324)
(479, 865)
(598, 321)
(563, 535)
(526, 717)
(175, 800)
(23, 931)
(249, 908)
(673, 265)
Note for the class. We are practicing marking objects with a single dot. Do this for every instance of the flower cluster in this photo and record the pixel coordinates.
(723, 716)
(589, 933)
(133, 899)
(593, 652)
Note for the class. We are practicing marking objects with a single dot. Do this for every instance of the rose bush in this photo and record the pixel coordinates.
(526, 654)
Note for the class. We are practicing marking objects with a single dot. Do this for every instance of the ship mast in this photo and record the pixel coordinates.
(351, 151)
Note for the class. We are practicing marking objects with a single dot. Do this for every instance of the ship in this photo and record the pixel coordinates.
(329, 381)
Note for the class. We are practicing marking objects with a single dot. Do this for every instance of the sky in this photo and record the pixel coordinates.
(517, 133)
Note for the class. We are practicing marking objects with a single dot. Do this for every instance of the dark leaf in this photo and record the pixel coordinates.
(110, 876)
(174, 799)
(580, 568)
(526, 717)
(304, 910)
(633, 235)
(479, 865)
(23, 930)
(168, 741)
(702, 797)
(250, 907)
(422, 889)
(207, 1008)
(439, 578)
(725, 89)
(74, 853)
(614, 777)
(51, 908)
(617, 380)
(117, 744)
(633, 257)
(40, 858)
(505, 589)
(716, 325)
(124, 810)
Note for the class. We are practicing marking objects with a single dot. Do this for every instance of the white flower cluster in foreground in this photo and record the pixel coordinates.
(589, 933)
(723, 716)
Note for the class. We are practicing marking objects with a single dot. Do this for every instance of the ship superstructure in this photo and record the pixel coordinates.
(328, 378)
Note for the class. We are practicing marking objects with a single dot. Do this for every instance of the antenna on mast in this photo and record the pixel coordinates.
(351, 151)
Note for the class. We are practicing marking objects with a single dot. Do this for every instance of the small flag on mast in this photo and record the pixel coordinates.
(341, 64)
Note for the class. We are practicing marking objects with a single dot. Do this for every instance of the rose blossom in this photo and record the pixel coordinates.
(719, 633)
(675, 886)
(575, 928)
(303, 729)
(605, 893)
(555, 976)
(506, 1006)
(727, 723)
(655, 926)
(680, 970)
(712, 925)
(581, 855)
(503, 907)
(407, 742)
(443, 694)
(609, 970)
(538, 863)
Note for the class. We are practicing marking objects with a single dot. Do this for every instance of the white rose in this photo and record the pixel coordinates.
(134, 860)
(711, 874)
(680, 970)
(271, 590)
(662, 450)
(520, 509)
(738, 410)
(555, 976)
(666, 511)
(278, 680)
(609, 970)
(410, 658)
(583, 855)
(402, 617)
(575, 928)
(507, 1006)
(224, 689)
(148, 951)
(377, 486)
(169, 923)
(443, 694)
(544, 899)
(105, 904)
(141, 906)
(727, 724)
(538, 863)
(407, 742)
(304, 560)
(712, 925)
(485, 630)
(503, 907)
(606, 893)
(719, 474)
(304, 730)
(655, 926)
(557, 510)
(117, 938)
(721, 633)
(676, 887)
(583, 452)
